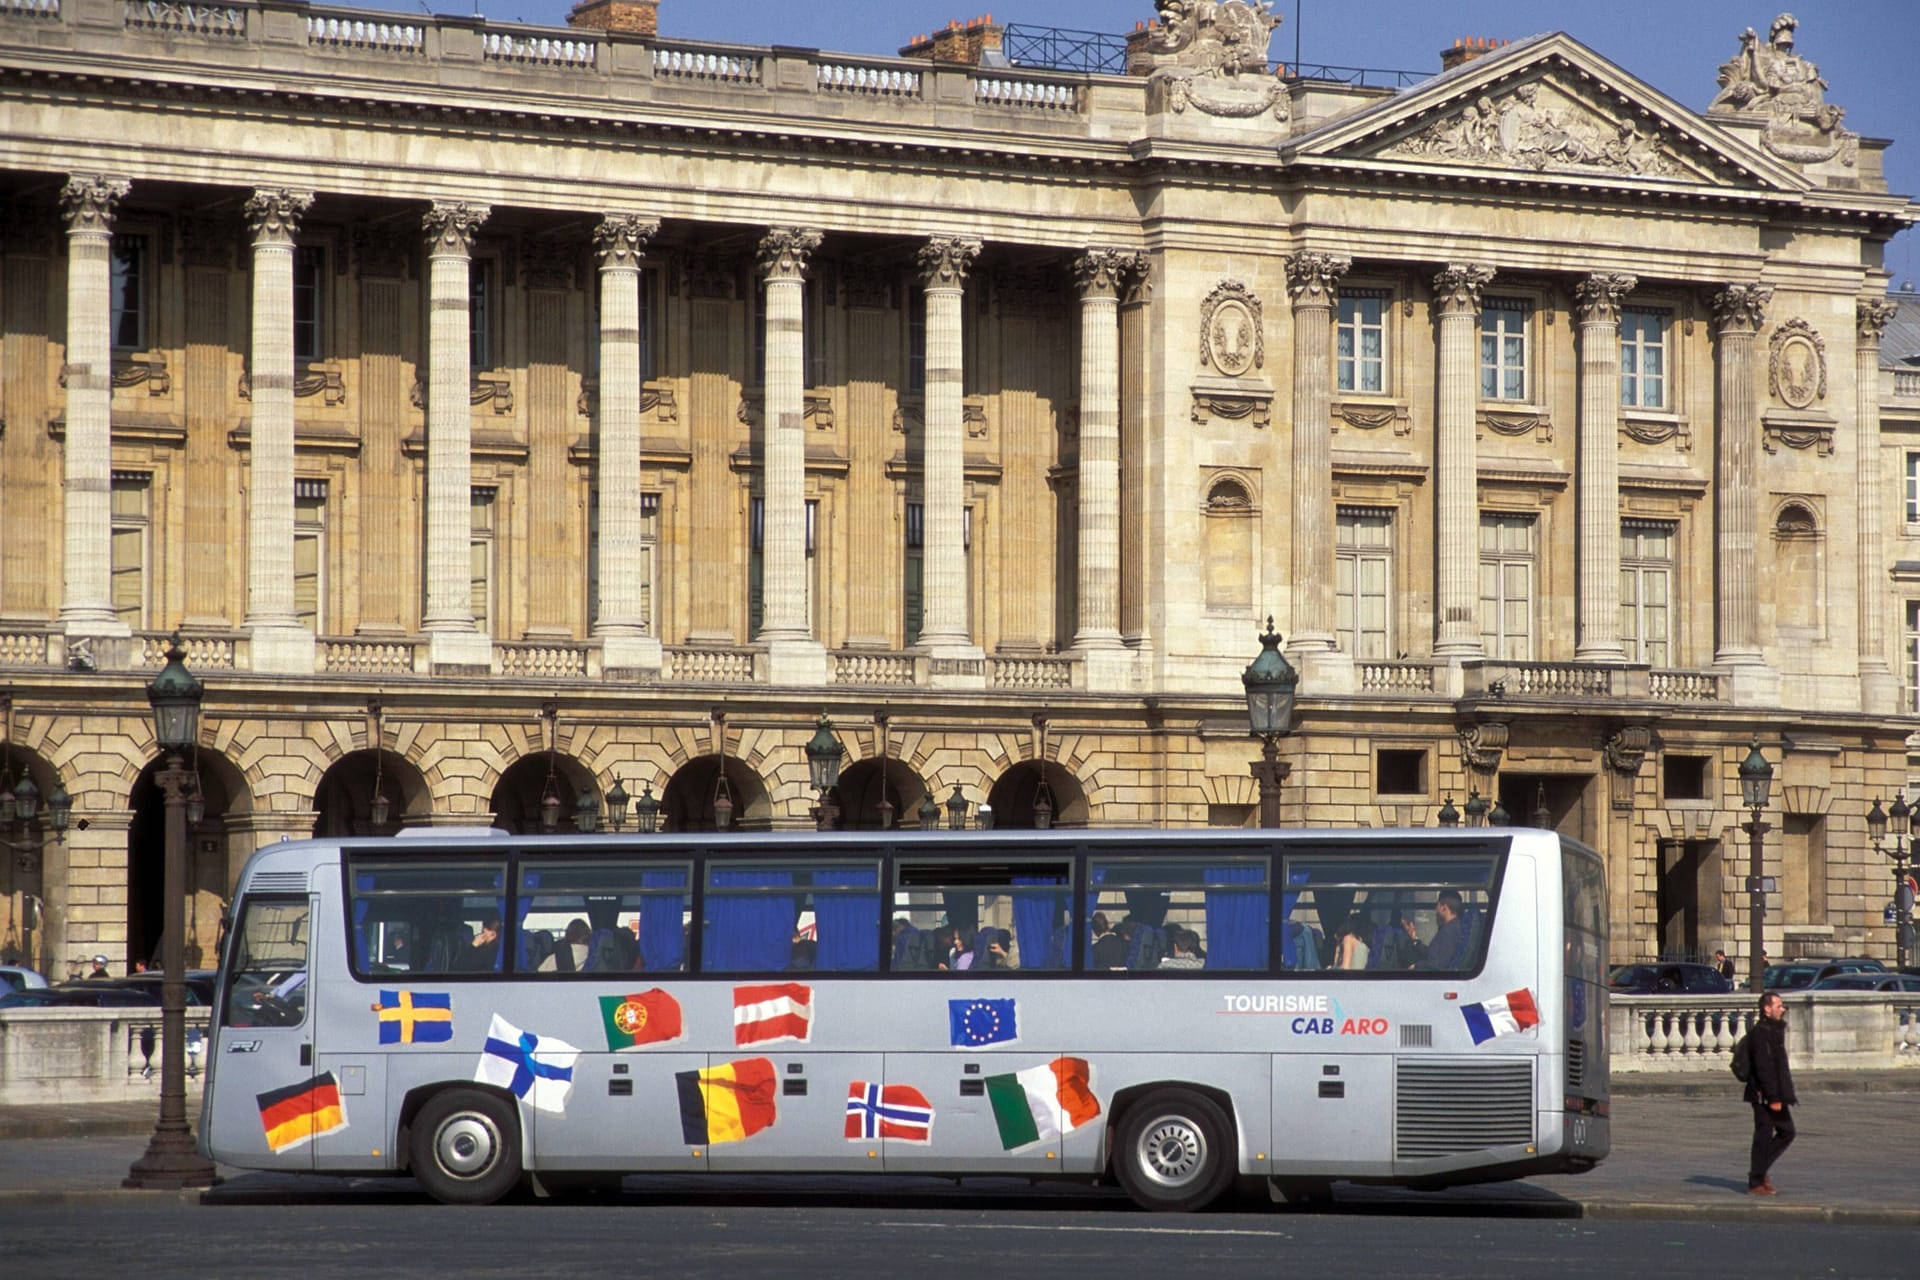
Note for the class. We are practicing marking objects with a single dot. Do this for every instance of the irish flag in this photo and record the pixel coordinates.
(1042, 1102)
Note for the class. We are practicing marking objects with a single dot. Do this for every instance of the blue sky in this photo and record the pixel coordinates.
(1866, 49)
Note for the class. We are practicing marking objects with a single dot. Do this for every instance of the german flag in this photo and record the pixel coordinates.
(726, 1103)
(302, 1112)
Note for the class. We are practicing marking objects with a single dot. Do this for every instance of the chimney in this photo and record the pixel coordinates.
(1466, 50)
(627, 17)
(973, 43)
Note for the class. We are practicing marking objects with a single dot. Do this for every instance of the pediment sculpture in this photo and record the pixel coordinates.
(1213, 55)
(1775, 82)
(1539, 128)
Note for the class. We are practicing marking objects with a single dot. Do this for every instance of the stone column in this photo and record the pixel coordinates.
(456, 642)
(278, 642)
(1456, 463)
(624, 645)
(1598, 632)
(1314, 281)
(1738, 312)
(944, 631)
(793, 655)
(86, 603)
(1100, 274)
(1879, 687)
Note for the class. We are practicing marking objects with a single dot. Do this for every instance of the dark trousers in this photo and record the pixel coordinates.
(1772, 1134)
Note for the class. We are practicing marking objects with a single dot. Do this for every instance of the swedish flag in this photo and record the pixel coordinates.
(415, 1017)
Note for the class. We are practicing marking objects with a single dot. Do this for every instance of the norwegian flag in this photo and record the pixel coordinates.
(772, 1011)
(896, 1111)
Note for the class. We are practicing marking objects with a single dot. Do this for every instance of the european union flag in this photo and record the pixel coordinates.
(972, 1023)
(415, 1017)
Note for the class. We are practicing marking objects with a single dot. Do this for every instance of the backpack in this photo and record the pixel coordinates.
(1742, 1064)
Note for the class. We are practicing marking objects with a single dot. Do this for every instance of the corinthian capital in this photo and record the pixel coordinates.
(88, 200)
(1870, 320)
(622, 237)
(944, 261)
(274, 214)
(1312, 278)
(784, 252)
(1598, 297)
(1741, 308)
(1104, 273)
(450, 228)
(1457, 288)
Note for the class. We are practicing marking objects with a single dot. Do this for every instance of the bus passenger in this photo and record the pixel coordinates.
(571, 955)
(1185, 954)
(1353, 950)
(1447, 949)
(1109, 948)
(485, 950)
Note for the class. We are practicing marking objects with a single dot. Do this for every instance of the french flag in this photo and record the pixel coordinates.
(1511, 1013)
(772, 1011)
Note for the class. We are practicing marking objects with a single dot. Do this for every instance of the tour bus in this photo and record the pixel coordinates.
(1173, 1010)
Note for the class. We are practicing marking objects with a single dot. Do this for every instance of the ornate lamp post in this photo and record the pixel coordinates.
(1756, 779)
(617, 800)
(1877, 822)
(1043, 806)
(929, 812)
(586, 812)
(1498, 815)
(172, 1160)
(1476, 810)
(823, 767)
(1449, 816)
(1271, 683)
(646, 810)
(956, 810)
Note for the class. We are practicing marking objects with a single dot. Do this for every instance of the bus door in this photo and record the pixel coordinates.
(266, 1099)
(356, 1032)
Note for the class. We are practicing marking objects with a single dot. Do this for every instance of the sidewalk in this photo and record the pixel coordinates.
(1679, 1152)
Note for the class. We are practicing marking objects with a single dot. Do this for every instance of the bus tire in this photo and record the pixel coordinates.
(1175, 1151)
(465, 1147)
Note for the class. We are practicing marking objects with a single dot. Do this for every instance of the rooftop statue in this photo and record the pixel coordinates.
(1774, 81)
(1214, 55)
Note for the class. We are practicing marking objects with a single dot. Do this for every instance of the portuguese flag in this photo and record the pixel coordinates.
(727, 1103)
(1042, 1102)
(301, 1112)
(649, 1017)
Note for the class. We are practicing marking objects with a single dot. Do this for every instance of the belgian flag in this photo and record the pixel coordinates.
(302, 1112)
(727, 1103)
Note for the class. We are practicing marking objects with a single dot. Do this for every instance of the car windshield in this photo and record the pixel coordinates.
(1784, 975)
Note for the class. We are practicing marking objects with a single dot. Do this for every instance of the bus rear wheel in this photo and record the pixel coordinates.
(465, 1147)
(1175, 1151)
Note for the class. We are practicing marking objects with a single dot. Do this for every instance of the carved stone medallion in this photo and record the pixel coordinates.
(1797, 365)
(1232, 339)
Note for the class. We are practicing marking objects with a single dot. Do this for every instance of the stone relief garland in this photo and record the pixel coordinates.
(1797, 365)
(1232, 333)
(1532, 130)
(1214, 57)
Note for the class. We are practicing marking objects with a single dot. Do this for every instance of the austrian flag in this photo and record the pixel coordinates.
(773, 1011)
(1512, 1012)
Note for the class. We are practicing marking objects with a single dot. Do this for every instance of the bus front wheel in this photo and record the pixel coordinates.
(1175, 1151)
(465, 1147)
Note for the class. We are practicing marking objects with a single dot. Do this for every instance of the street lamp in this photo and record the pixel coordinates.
(586, 811)
(1498, 815)
(1877, 822)
(1542, 816)
(171, 1160)
(956, 810)
(1476, 809)
(1756, 779)
(617, 800)
(1043, 806)
(646, 810)
(929, 812)
(1271, 682)
(722, 799)
(1449, 816)
(823, 767)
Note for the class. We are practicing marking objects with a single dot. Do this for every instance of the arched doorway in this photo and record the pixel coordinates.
(1015, 795)
(343, 802)
(23, 932)
(524, 787)
(687, 801)
(863, 783)
(223, 799)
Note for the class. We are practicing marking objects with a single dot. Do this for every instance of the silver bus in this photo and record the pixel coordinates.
(1173, 1010)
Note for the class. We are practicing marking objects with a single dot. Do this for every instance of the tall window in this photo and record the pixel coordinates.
(916, 339)
(481, 548)
(1913, 488)
(1911, 641)
(1643, 359)
(1646, 591)
(128, 285)
(309, 302)
(310, 553)
(1363, 581)
(914, 584)
(1362, 341)
(1506, 585)
(649, 554)
(756, 565)
(1503, 349)
(482, 305)
(648, 345)
(132, 542)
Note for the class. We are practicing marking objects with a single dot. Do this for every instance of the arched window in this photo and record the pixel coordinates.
(1229, 545)
(1799, 556)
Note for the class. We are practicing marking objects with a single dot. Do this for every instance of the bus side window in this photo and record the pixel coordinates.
(601, 917)
(1392, 912)
(981, 917)
(267, 980)
(790, 918)
(438, 918)
(1158, 916)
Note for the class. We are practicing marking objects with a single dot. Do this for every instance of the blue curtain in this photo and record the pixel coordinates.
(748, 933)
(1236, 919)
(663, 935)
(362, 883)
(1296, 943)
(1035, 913)
(847, 924)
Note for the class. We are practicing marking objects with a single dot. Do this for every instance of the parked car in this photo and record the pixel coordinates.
(1901, 982)
(17, 977)
(1799, 975)
(82, 995)
(1668, 979)
(200, 984)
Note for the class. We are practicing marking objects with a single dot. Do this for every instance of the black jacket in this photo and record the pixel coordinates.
(1770, 1080)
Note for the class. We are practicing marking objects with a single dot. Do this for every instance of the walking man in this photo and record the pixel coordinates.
(1770, 1090)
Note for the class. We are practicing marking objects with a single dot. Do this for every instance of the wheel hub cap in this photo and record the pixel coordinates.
(1172, 1152)
(466, 1145)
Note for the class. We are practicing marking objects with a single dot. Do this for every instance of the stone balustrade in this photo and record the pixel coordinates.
(89, 1055)
(1834, 1031)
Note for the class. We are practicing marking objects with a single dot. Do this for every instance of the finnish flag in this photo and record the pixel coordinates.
(538, 1069)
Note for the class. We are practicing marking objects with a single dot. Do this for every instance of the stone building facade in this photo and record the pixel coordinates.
(502, 412)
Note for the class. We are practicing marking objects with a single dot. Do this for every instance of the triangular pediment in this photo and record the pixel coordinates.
(1546, 105)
